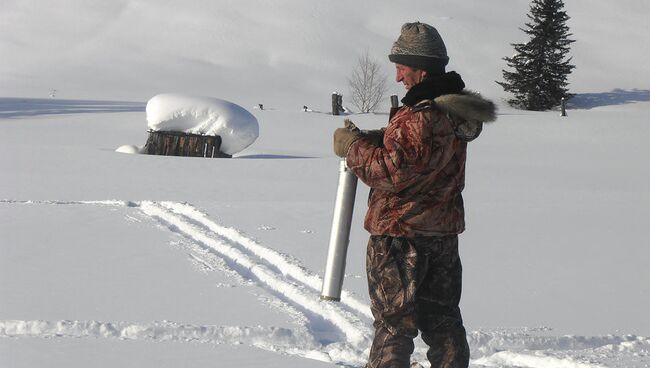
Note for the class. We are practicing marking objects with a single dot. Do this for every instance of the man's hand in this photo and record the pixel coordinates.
(348, 124)
(375, 136)
(343, 139)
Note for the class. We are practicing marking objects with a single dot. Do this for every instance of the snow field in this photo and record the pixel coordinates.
(556, 208)
(332, 332)
(325, 331)
(355, 331)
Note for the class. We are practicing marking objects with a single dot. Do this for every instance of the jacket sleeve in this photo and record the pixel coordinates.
(415, 144)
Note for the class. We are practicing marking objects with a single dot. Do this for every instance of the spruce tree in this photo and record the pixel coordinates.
(540, 66)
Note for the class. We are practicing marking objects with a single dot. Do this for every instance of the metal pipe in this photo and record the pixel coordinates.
(339, 234)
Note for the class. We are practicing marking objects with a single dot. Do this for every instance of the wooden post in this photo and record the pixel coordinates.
(173, 149)
(394, 106)
(337, 104)
(563, 106)
(394, 102)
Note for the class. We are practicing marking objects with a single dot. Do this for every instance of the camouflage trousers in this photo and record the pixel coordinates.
(415, 284)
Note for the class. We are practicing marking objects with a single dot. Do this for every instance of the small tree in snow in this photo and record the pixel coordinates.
(367, 84)
(539, 80)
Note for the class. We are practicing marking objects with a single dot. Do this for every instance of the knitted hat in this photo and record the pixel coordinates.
(420, 46)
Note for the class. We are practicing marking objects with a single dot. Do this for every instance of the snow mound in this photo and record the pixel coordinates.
(130, 149)
(237, 127)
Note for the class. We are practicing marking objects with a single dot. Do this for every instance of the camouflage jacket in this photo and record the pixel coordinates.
(418, 173)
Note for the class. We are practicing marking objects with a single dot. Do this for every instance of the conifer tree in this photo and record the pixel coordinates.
(540, 66)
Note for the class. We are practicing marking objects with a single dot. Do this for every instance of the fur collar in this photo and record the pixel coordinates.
(467, 112)
(434, 86)
(468, 106)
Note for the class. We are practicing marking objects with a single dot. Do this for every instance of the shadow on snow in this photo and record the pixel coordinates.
(11, 107)
(615, 97)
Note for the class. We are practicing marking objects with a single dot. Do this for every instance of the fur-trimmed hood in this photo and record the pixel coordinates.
(468, 105)
(467, 112)
(466, 109)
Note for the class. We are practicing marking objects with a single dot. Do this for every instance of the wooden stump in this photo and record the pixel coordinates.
(168, 143)
(337, 104)
(394, 102)
(394, 106)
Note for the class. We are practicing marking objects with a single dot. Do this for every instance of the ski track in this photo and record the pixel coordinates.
(295, 290)
(525, 348)
(267, 338)
(286, 266)
(243, 261)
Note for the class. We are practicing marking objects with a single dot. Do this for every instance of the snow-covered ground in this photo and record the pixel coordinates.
(119, 260)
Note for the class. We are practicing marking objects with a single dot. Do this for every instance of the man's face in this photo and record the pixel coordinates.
(408, 76)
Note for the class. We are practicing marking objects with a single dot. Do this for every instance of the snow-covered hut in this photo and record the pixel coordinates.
(182, 125)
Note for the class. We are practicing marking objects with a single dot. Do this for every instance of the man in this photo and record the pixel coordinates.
(416, 173)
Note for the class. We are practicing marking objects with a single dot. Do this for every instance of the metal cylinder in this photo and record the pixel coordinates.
(339, 234)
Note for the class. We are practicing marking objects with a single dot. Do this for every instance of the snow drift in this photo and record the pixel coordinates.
(237, 127)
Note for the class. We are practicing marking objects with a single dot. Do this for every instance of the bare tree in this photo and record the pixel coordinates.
(367, 83)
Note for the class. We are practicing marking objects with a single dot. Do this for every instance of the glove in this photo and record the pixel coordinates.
(375, 136)
(348, 124)
(343, 139)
